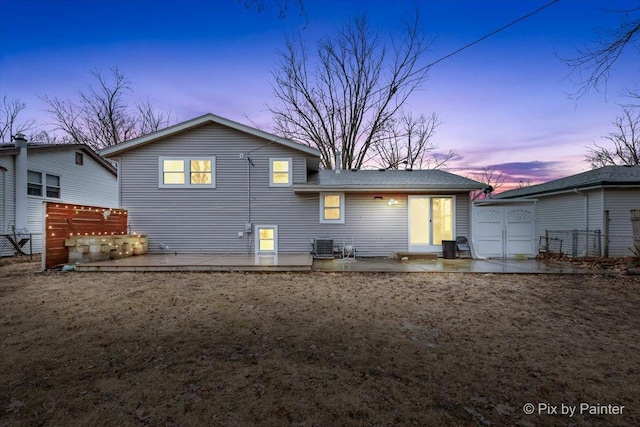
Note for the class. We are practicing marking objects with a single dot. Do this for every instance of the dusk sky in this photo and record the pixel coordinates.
(504, 103)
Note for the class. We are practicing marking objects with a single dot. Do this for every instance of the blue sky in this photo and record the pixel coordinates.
(503, 103)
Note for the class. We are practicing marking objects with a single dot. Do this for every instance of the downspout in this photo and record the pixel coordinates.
(248, 204)
(248, 228)
(5, 199)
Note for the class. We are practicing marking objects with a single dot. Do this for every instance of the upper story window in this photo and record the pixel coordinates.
(79, 158)
(280, 172)
(39, 184)
(53, 186)
(332, 208)
(187, 172)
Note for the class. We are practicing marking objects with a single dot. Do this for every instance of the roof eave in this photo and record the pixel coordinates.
(571, 189)
(312, 188)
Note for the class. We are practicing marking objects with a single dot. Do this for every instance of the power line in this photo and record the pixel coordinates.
(522, 18)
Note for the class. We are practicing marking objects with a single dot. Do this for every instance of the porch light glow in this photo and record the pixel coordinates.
(392, 202)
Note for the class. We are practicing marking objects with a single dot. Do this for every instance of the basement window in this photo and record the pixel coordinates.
(181, 172)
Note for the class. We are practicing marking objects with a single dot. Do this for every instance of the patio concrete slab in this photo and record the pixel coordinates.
(305, 262)
(440, 265)
(203, 262)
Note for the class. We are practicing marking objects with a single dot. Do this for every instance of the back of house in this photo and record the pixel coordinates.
(211, 185)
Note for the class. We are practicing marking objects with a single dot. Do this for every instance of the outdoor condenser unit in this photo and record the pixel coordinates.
(323, 248)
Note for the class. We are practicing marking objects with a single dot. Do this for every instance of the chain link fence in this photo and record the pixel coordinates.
(17, 244)
(585, 243)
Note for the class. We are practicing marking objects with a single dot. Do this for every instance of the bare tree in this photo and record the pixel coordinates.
(409, 142)
(44, 137)
(282, 6)
(344, 99)
(101, 117)
(10, 109)
(523, 183)
(623, 145)
(493, 178)
(594, 62)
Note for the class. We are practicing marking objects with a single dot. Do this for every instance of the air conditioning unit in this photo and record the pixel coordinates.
(323, 248)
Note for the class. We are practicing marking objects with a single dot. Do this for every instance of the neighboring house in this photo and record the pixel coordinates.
(211, 185)
(598, 200)
(33, 174)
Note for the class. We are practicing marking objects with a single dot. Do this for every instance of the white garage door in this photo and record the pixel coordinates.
(504, 231)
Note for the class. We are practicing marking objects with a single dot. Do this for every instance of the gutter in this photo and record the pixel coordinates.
(378, 189)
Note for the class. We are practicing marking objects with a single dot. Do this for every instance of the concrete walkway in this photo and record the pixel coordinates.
(305, 262)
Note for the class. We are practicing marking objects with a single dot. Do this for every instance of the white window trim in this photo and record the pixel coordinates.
(280, 159)
(332, 221)
(257, 240)
(187, 172)
(43, 185)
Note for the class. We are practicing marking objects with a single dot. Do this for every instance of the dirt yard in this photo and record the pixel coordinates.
(318, 349)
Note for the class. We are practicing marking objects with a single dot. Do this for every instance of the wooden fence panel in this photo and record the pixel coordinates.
(64, 220)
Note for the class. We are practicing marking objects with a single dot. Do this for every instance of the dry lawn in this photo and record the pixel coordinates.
(319, 349)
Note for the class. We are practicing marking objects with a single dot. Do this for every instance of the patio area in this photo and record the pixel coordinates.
(305, 262)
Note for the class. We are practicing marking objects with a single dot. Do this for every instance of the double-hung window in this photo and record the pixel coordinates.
(43, 184)
(280, 172)
(191, 172)
(332, 208)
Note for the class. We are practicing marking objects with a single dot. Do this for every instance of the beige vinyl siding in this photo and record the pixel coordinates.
(619, 202)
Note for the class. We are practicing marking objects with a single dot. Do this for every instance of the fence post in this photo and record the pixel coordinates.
(606, 234)
(599, 242)
(635, 222)
(574, 243)
(546, 241)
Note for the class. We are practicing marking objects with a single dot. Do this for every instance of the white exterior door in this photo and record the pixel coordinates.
(504, 231)
(431, 220)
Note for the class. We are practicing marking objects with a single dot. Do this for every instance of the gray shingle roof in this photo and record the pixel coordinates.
(431, 179)
(608, 175)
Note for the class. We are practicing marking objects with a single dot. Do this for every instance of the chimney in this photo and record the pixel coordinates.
(338, 161)
(21, 181)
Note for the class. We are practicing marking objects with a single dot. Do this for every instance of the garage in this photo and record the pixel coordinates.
(504, 229)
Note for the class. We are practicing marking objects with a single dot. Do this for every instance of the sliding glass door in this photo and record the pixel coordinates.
(431, 220)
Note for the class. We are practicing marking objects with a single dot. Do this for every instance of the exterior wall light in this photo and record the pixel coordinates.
(393, 202)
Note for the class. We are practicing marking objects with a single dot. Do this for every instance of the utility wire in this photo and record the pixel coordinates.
(522, 18)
